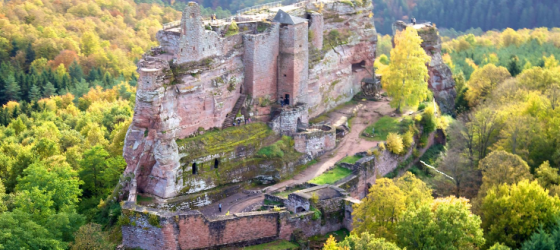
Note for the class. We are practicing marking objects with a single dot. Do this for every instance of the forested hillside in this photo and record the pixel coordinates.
(67, 78)
(462, 15)
(56, 47)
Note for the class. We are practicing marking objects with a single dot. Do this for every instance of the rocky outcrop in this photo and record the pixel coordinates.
(441, 78)
(191, 84)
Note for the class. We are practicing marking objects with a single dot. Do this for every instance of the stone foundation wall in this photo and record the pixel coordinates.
(286, 120)
(315, 142)
(152, 229)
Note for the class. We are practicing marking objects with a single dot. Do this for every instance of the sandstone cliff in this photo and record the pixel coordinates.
(441, 78)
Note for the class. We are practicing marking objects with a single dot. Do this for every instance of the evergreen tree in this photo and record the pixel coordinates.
(514, 66)
(75, 71)
(34, 93)
(49, 90)
(11, 89)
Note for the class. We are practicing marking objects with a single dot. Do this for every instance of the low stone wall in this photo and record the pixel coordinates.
(316, 141)
(153, 229)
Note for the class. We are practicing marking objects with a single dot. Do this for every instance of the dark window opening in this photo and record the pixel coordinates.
(300, 209)
(308, 17)
(194, 168)
(287, 100)
(216, 163)
(241, 90)
(284, 75)
(358, 66)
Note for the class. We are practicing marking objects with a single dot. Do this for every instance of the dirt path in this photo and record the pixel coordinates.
(351, 144)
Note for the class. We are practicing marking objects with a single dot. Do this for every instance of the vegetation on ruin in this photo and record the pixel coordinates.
(331, 176)
(350, 159)
(222, 141)
(277, 149)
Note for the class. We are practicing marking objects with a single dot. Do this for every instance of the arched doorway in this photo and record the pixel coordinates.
(194, 168)
(287, 99)
(216, 163)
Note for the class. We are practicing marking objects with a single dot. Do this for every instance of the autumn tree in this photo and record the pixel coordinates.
(501, 167)
(406, 78)
(366, 241)
(447, 223)
(511, 213)
(91, 237)
(483, 81)
(380, 211)
(395, 143)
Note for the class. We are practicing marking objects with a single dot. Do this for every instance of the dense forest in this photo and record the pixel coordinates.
(463, 15)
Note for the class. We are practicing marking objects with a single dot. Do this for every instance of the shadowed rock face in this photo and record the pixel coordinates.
(441, 81)
(191, 83)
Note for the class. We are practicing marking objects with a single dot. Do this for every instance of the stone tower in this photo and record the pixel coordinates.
(196, 42)
(293, 69)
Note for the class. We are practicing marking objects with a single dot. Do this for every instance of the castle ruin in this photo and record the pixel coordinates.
(189, 144)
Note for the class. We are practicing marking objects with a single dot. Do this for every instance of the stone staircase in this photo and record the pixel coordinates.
(231, 116)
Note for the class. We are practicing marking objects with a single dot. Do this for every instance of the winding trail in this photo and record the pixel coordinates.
(368, 113)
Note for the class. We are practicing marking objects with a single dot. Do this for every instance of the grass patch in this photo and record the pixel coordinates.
(319, 240)
(387, 125)
(285, 193)
(350, 159)
(319, 119)
(275, 245)
(272, 203)
(277, 149)
(331, 176)
(144, 199)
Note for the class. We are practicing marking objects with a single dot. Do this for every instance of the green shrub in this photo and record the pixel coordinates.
(153, 220)
(233, 29)
(347, 2)
(395, 143)
(407, 139)
(429, 120)
(422, 106)
(123, 220)
(316, 213)
(381, 146)
(423, 140)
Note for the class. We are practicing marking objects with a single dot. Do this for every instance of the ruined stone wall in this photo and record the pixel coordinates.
(261, 64)
(197, 43)
(286, 120)
(315, 142)
(316, 29)
(168, 41)
(152, 229)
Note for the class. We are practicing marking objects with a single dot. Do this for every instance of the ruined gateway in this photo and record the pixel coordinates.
(183, 151)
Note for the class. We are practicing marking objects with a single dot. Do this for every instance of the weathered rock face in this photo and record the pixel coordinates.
(335, 74)
(198, 78)
(441, 78)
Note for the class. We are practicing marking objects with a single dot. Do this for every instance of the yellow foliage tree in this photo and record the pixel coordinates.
(406, 78)
(379, 212)
(395, 143)
(407, 139)
(483, 81)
